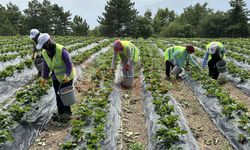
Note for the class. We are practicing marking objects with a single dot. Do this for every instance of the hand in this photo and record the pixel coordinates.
(112, 70)
(33, 56)
(66, 79)
(42, 82)
(127, 66)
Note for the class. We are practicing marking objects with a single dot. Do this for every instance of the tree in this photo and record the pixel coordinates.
(14, 16)
(144, 27)
(6, 27)
(177, 29)
(118, 19)
(192, 15)
(79, 26)
(46, 16)
(10, 20)
(60, 20)
(238, 26)
(95, 32)
(162, 18)
(33, 15)
(213, 25)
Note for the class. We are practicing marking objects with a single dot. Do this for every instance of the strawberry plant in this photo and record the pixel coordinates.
(94, 108)
(170, 131)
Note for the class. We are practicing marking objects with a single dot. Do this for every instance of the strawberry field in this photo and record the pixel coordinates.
(192, 113)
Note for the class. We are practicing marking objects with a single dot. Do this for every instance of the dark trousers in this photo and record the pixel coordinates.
(61, 108)
(39, 72)
(169, 67)
(213, 71)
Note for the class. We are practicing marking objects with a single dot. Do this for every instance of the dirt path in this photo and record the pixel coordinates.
(206, 133)
(236, 93)
(52, 137)
(133, 121)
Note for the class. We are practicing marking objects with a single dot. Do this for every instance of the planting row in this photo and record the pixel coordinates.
(25, 98)
(27, 44)
(169, 133)
(230, 108)
(9, 71)
(88, 127)
(234, 111)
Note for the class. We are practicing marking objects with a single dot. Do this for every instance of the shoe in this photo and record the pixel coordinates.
(65, 118)
(39, 74)
(168, 78)
(55, 117)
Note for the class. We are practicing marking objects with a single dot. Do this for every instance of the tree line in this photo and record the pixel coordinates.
(120, 18)
(44, 16)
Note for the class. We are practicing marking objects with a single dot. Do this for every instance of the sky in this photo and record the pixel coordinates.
(91, 9)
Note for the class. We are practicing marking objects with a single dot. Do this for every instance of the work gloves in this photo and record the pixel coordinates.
(66, 79)
(42, 82)
(33, 57)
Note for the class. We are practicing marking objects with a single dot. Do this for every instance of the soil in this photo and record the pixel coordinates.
(206, 133)
(84, 85)
(52, 137)
(133, 121)
(236, 93)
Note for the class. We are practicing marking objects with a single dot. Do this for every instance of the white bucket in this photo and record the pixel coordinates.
(128, 80)
(68, 95)
(176, 70)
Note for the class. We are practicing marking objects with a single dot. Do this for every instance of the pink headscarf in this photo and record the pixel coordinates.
(117, 45)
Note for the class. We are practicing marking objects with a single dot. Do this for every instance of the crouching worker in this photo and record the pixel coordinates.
(59, 63)
(128, 53)
(177, 56)
(215, 52)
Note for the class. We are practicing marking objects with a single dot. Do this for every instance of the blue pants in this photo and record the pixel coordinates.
(61, 108)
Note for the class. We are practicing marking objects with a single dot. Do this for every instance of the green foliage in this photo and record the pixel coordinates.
(79, 26)
(89, 124)
(10, 20)
(68, 145)
(44, 16)
(5, 135)
(144, 25)
(193, 14)
(135, 146)
(162, 19)
(170, 131)
(238, 19)
(213, 25)
(118, 19)
(177, 29)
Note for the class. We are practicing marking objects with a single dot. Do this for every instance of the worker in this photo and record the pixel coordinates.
(57, 60)
(215, 52)
(178, 55)
(34, 34)
(129, 55)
